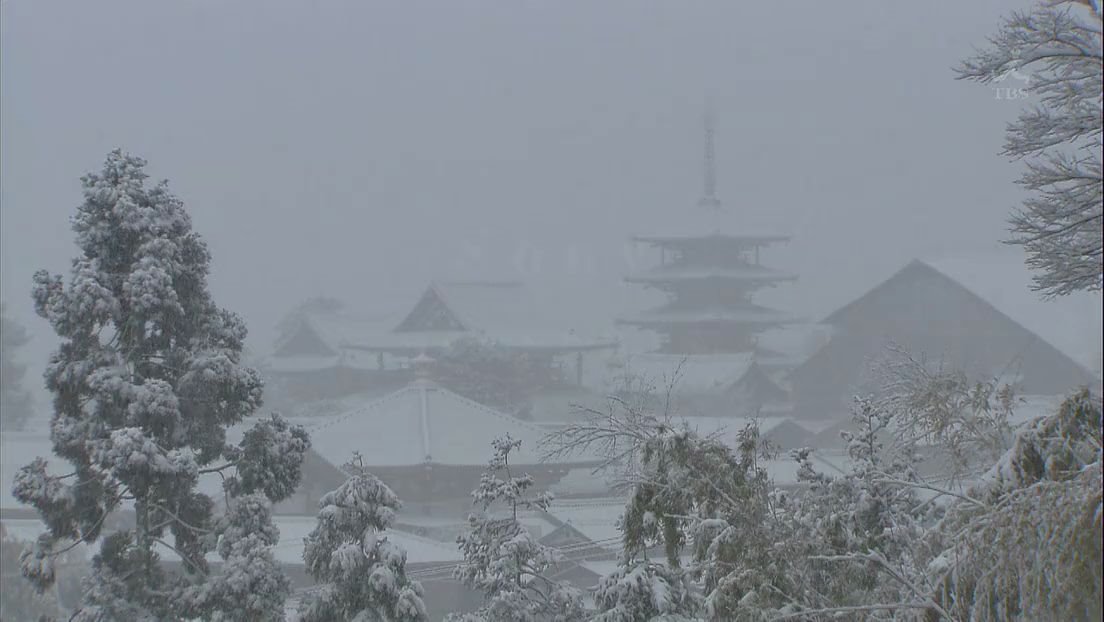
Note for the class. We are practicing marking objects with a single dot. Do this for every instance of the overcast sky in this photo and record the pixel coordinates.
(359, 149)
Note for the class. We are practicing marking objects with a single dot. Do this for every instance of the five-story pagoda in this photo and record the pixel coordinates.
(710, 279)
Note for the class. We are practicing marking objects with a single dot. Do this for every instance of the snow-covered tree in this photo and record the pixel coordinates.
(1057, 48)
(842, 544)
(961, 421)
(503, 560)
(15, 402)
(690, 495)
(363, 572)
(146, 382)
(854, 536)
(1025, 543)
(18, 599)
(645, 591)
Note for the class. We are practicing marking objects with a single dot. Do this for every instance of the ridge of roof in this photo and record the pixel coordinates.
(920, 266)
(425, 415)
(915, 264)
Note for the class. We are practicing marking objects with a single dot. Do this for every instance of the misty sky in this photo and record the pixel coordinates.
(359, 149)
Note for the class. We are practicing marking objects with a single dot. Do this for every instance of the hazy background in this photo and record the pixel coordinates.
(359, 149)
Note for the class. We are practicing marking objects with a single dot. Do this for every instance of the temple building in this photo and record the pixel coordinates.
(331, 355)
(975, 313)
(710, 324)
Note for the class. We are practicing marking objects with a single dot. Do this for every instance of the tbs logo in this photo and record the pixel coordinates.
(1009, 91)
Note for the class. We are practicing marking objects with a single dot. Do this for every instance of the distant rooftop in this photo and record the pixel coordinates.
(674, 272)
(691, 239)
(424, 423)
(1070, 323)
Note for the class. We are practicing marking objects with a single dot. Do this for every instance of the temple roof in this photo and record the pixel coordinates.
(674, 273)
(690, 240)
(419, 550)
(550, 341)
(424, 423)
(1071, 323)
(1001, 280)
(748, 314)
(321, 335)
(505, 312)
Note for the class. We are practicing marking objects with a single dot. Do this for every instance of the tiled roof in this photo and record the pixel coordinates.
(1070, 323)
(423, 423)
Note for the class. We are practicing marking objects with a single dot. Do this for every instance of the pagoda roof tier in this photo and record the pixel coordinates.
(674, 273)
(749, 314)
(711, 239)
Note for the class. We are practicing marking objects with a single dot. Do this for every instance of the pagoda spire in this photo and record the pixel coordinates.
(709, 195)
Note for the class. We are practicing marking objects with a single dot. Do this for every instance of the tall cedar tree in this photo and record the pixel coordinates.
(146, 381)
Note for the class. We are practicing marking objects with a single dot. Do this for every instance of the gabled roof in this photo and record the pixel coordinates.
(1070, 323)
(506, 312)
(293, 529)
(748, 313)
(327, 334)
(423, 423)
(1003, 283)
(676, 272)
(596, 519)
(677, 240)
(756, 387)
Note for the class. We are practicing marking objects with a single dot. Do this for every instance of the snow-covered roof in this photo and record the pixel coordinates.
(676, 272)
(795, 342)
(1070, 323)
(594, 518)
(550, 407)
(749, 314)
(694, 239)
(583, 482)
(514, 314)
(423, 423)
(531, 340)
(334, 331)
(697, 373)
(506, 312)
(789, 435)
(341, 330)
(301, 363)
(293, 529)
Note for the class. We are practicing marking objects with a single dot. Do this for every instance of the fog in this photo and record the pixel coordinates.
(502, 194)
(360, 149)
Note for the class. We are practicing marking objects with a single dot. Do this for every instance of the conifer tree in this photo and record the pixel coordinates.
(363, 572)
(503, 560)
(146, 382)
